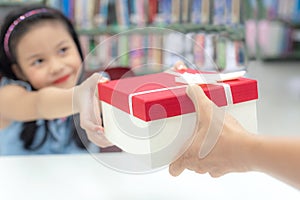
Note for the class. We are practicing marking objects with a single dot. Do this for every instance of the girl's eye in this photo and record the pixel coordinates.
(38, 62)
(63, 50)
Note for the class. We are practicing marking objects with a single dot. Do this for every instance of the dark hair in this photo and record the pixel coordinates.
(30, 128)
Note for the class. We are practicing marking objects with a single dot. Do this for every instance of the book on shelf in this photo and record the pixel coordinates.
(126, 13)
(111, 17)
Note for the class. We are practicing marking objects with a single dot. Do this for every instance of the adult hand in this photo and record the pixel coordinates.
(219, 142)
(178, 65)
(87, 103)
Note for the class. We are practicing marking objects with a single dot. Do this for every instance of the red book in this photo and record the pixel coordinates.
(152, 10)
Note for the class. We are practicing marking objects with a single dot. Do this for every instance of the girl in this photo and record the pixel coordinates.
(40, 63)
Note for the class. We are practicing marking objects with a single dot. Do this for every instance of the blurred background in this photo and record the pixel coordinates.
(148, 36)
(260, 36)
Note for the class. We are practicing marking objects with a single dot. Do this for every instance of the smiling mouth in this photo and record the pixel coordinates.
(62, 79)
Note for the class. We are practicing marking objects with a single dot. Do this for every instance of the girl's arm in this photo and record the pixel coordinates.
(17, 104)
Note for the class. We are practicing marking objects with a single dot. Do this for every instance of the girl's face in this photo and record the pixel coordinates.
(48, 56)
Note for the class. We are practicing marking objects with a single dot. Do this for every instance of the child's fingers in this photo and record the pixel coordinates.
(96, 117)
(90, 126)
(95, 134)
(99, 139)
(103, 80)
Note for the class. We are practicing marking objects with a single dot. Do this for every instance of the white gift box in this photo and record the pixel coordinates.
(152, 114)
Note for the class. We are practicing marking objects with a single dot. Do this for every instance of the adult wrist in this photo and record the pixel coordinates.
(251, 152)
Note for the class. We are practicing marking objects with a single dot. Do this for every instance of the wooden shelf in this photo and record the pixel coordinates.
(285, 57)
(236, 33)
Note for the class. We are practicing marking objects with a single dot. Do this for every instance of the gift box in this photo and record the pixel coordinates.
(152, 114)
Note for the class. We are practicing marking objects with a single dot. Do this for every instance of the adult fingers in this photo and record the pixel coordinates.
(196, 94)
(179, 65)
(212, 120)
(198, 97)
(177, 167)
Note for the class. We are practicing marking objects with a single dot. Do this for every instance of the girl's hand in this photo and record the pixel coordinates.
(87, 103)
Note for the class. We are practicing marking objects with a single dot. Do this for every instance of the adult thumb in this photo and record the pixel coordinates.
(198, 97)
(176, 168)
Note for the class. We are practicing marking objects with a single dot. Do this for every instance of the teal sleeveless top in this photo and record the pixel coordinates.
(58, 141)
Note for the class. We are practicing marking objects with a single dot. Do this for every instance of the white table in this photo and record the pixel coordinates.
(80, 177)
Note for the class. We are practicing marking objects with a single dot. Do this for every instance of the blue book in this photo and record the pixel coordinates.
(228, 10)
(219, 12)
(296, 12)
(196, 12)
(166, 8)
(67, 8)
(103, 12)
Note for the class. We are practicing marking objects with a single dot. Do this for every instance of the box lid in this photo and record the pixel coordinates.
(157, 96)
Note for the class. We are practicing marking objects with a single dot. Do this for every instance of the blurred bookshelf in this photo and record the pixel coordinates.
(206, 34)
(216, 25)
(19, 2)
(273, 30)
(8, 5)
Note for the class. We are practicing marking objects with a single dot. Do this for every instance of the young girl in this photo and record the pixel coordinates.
(40, 64)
